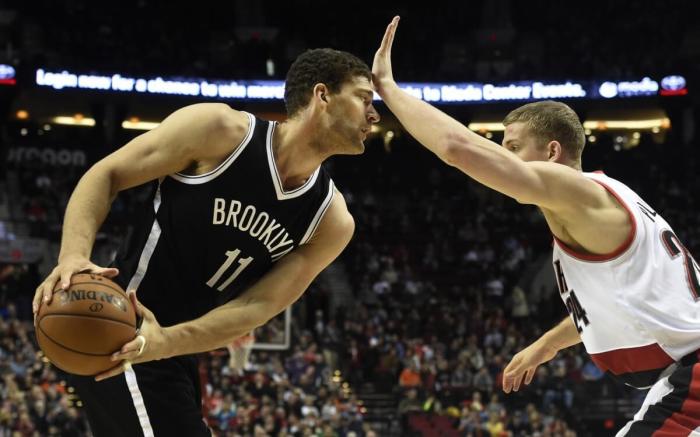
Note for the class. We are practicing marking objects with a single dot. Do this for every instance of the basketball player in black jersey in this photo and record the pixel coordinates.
(242, 218)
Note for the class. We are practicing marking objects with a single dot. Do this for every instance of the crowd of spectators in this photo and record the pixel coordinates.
(437, 267)
(292, 393)
(438, 264)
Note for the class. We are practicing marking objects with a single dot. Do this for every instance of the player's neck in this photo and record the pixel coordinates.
(295, 153)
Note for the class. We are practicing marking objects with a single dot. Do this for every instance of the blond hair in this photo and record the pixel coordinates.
(552, 121)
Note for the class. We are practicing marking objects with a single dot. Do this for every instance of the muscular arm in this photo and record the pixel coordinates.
(274, 292)
(192, 135)
(591, 217)
(546, 184)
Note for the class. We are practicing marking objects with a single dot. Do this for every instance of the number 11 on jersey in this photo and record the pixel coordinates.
(231, 256)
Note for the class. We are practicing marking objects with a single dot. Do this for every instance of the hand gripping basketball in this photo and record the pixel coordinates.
(149, 344)
(60, 278)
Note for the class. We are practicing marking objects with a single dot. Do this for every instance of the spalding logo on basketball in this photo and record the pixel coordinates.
(82, 326)
(66, 297)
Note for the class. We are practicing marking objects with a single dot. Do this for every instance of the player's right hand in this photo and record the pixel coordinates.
(381, 67)
(62, 273)
(525, 363)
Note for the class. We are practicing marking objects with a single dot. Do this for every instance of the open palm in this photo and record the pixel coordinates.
(381, 67)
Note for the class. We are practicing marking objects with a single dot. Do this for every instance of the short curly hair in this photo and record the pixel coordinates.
(330, 67)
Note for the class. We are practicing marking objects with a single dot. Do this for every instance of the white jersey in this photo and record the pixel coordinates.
(637, 309)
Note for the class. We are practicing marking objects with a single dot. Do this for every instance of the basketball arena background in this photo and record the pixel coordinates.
(408, 332)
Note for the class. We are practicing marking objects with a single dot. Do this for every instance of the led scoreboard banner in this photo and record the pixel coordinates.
(7, 75)
(442, 93)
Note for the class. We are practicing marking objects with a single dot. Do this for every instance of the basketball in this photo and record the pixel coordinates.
(83, 326)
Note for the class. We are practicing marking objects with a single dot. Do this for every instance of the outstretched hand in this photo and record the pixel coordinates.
(381, 67)
(523, 367)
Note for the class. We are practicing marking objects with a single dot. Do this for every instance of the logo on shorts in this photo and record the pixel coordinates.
(96, 307)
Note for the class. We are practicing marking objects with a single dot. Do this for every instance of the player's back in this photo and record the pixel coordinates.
(636, 308)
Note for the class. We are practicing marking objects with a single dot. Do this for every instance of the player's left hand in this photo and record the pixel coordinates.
(381, 67)
(150, 343)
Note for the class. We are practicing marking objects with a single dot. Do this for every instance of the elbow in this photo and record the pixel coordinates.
(103, 175)
(454, 150)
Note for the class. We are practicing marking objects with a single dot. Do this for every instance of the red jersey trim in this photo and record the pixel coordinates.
(631, 360)
(608, 256)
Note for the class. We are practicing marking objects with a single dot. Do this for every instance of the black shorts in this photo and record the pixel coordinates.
(672, 405)
(159, 398)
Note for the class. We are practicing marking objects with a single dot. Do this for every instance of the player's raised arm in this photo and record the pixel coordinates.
(190, 137)
(539, 183)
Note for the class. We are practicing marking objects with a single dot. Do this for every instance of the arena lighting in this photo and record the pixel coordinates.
(77, 120)
(445, 93)
(653, 124)
(8, 75)
(486, 127)
(589, 125)
(139, 125)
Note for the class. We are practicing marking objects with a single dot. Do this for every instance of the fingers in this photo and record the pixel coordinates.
(512, 375)
(142, 339)
(512, 380)
(141, 311)
(114, 371)
(508, 381)
(61, 277)
(44, 292)
(530, 374)
(38, 296)
(65, 278)
(130, 351)
(517, 381)
(388, 39)
(131, 294)
(108, 272)
(392, 27)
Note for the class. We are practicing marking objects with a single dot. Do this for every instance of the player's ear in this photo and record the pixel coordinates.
(321, 93)
(554, 151)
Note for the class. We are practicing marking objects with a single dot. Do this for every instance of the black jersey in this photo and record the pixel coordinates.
(204, 239)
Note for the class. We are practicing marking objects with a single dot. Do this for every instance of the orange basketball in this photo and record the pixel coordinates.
(83, 326)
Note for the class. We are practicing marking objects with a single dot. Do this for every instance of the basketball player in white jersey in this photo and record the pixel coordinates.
(629, 285)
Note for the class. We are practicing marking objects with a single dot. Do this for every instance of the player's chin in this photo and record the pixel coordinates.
(357, 148)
